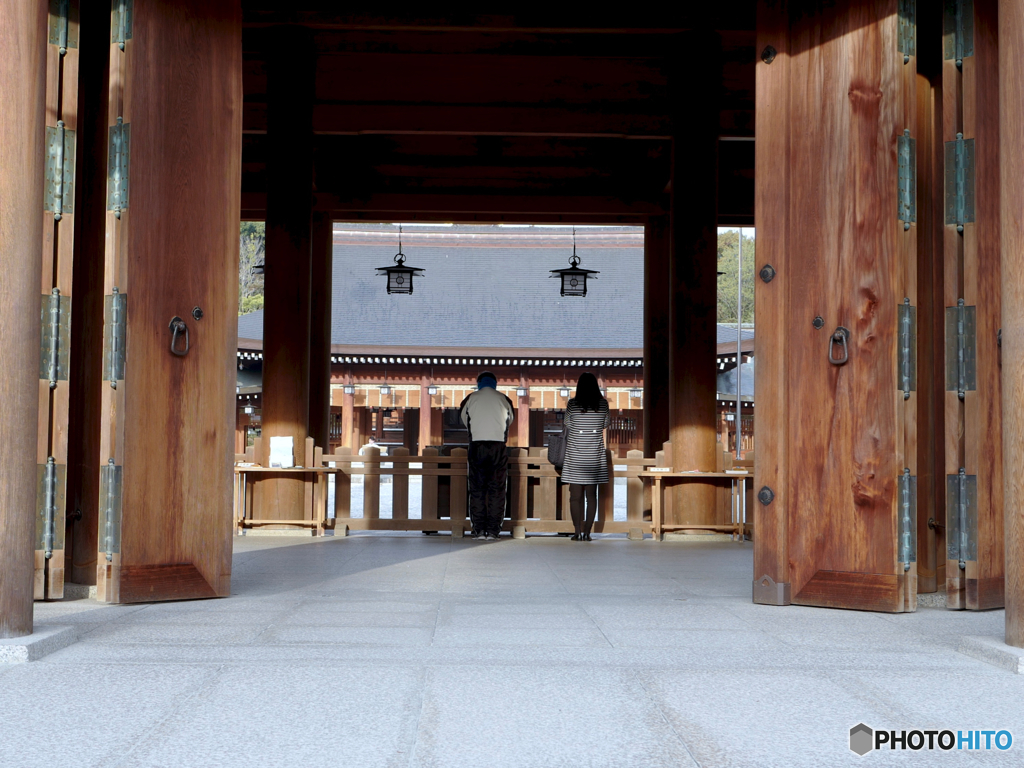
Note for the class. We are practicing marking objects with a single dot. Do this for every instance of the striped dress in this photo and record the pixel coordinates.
(585, 462)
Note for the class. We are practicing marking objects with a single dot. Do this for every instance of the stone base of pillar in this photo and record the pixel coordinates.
(635, 534)
(518, 531)
(40, 643)
(992, 650)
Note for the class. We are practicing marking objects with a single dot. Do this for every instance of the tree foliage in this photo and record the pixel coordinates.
(728, 264)
(251, 247)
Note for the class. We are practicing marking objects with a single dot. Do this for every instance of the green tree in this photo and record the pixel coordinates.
(728, 265)
(251, 248)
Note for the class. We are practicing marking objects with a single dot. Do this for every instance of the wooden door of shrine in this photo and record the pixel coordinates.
(170, 304)
(836, 302)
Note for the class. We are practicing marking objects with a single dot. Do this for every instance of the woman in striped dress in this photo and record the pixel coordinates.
(587, 417)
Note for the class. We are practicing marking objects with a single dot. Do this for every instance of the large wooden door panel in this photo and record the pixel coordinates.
(173, 253)
(847, 435)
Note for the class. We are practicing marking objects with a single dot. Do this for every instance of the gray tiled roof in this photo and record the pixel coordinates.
(727, 334)
(481, 289)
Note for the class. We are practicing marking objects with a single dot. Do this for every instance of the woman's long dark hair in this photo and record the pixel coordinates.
(588, 393)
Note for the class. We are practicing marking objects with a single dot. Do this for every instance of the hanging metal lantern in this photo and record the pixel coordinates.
(399, 276)
(574, 279)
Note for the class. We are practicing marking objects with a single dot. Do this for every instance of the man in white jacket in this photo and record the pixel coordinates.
(487, 415)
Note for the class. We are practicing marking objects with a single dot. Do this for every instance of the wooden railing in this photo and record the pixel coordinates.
(537, 501)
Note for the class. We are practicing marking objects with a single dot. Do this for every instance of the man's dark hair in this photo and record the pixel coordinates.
(485, 375)
(588, 393)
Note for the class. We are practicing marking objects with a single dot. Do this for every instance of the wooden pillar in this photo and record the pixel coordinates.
(85, 376)
(657, 258)
(320, 329)
(348, 412)
(693, 279)
(1011, 159)
(22, 154)
(172, 277)
(426, 433)
(286, 323)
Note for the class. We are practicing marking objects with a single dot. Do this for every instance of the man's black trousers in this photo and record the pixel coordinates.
(488, 473)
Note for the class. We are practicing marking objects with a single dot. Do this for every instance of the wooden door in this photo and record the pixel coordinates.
(57, 261)
(171, 284)
(837, 242)
(971, 242)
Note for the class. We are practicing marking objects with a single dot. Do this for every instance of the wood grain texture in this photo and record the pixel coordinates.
(931, 486)
(857, 591)
(983, 448)
(22, 154)
(845, 249)
(286, 330)
(152, 583)
(657, 258)
(320, 328)
(182, 72)
(1011, 159)
(771, 220)
(692, 278)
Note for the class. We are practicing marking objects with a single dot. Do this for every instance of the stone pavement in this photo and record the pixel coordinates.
(422, 651)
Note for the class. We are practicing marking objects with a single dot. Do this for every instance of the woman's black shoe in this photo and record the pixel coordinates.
(586, 537)
(576, 537)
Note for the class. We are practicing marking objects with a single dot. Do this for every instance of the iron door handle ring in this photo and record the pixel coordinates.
(840, 336)
(178, 330)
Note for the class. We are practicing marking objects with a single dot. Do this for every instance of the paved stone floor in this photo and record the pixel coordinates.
(423, 651)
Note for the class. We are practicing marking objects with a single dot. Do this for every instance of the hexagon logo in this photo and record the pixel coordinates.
(861, 739)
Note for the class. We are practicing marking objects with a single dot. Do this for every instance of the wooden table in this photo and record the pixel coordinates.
(318, 501)
(658, 478)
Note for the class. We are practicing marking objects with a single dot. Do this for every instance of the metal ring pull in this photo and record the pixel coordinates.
(178, 329)
(839, 337)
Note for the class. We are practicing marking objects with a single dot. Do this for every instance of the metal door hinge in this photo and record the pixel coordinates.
(961, 343)
(115, 317)
(62, 33)
(907, 487)
(907, 197)
(121, 22)
(958, 30)
(110, 509)
(55, 345)
(50, 492)
(907, 355)
(117, 167)
(907, 44)
(959, 181)
(962, 517)
(59, 195)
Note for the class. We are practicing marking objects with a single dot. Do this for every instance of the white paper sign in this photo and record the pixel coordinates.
(281, 453)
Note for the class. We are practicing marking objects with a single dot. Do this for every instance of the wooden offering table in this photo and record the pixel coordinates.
(737, 527)
(314, 506)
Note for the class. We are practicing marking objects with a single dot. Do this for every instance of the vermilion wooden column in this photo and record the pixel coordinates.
(1011, 161)
(348, 407)
(657, 257)
(693, 280)
(320, 330)
(286, 324)
(22, 154)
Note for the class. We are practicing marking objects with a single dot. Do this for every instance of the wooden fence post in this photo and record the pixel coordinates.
(458, 496)
(371, 484)
(520, 483)
(634, 497)
(606, 494)
(400, 485)
(545, 499)
(343, 491)
(428, 501)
